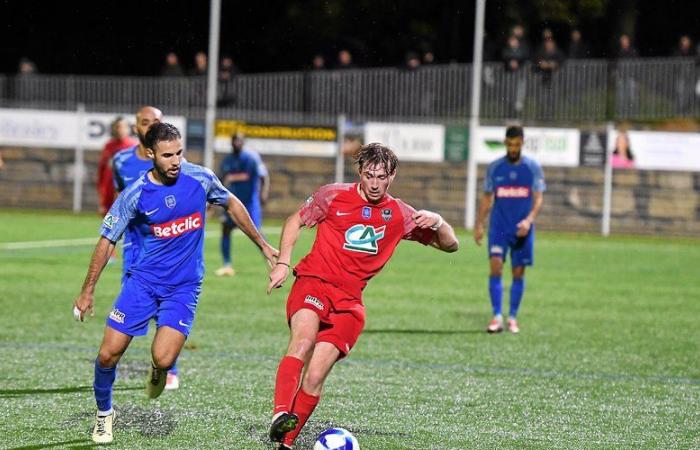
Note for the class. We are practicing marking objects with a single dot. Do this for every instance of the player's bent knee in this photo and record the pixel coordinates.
(107, 358)
(164, 359)
(301, 347)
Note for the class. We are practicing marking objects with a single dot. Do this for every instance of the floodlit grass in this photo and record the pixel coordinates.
(608, 355)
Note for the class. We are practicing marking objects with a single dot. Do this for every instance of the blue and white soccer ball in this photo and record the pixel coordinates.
(336, 439)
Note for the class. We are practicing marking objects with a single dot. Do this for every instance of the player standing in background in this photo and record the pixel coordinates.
(359, 226)
(105, 182)
(167, 206)
(128, 166)
(244, 174)
(517, 183)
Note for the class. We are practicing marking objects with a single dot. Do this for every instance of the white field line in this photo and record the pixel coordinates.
(57, 243)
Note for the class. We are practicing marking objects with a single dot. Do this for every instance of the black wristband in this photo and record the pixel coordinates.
(284, 264)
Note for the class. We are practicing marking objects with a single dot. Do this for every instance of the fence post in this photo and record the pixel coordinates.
(607, 184)
(78, 168)
(340, 157)
(470, 206)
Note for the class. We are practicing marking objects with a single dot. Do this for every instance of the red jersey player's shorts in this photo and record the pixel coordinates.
(342, 315)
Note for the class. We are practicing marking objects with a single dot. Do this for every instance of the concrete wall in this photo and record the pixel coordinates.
(644, 202)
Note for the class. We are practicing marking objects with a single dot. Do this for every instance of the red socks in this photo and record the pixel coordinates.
(287, 383)
(304, 405)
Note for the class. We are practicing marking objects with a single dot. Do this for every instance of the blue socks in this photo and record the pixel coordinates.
(173, 369)
(226, 248)
(516, 294)
(496, 293)
(104, 379)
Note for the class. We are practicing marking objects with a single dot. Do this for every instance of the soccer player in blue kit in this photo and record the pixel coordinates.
(513, 185)
(244, 174)
(128, 166)
(167, 206)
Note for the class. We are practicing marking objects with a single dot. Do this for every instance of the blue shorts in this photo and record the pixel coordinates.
(255, 214)
(139, 302)
(521, 248)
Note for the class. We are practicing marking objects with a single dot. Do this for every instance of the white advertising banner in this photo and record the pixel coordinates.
(660, 150)
(411, 142)
(548, 146)
(59, 129)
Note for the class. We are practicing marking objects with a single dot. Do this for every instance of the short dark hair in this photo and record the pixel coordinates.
(514, 131)
(161, 131)
(377, 154)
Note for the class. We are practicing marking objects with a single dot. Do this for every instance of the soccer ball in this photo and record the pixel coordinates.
(336, 439)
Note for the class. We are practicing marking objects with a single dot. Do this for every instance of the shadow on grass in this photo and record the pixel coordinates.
(10, 393)
(434, 332)
(70, 444)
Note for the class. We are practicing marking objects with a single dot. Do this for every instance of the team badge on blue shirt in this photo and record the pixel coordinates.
(170, 201)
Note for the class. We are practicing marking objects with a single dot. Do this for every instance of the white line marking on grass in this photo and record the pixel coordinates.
(57, 243)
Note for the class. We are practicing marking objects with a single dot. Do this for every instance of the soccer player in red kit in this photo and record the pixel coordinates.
(105, 184)
(359, 226)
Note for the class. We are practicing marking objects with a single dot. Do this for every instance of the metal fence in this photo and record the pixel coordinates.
(581, 91)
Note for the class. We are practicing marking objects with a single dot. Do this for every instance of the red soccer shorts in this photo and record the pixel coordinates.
(342, 316)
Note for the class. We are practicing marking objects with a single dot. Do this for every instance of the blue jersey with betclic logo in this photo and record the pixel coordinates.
(512, 186)
(170, 222)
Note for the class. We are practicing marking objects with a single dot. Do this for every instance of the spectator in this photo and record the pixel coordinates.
(200, 65)
(227, 69)
(685, 47)
(685, 74)
(514, 57)
(227, 72)
(26, 67)
(626, 84)
(548, 60)
(345, 60)
(626, 49)
(519, 33)
(172, 67)
(412, 61)
(622, 157)
(428, 57)
(578, 49)
(318, 62)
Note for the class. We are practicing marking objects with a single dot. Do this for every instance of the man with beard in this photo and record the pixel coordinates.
(516, 183)
(167, 207)
(128, 166)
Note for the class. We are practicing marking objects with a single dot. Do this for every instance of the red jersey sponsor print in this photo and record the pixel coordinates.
(177, 227)
(512, 192)
(355, 238)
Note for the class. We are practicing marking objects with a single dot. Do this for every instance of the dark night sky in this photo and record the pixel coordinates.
(129, 37)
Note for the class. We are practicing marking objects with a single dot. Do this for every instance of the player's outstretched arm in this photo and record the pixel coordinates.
(84, 303)
(484, 208)
(240, 215)
(445, 238)
(290, 235)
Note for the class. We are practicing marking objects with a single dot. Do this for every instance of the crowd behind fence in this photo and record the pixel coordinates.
(580, 91)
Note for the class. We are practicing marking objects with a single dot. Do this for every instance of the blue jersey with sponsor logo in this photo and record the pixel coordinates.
(170, 223)
(247, 168)
(128, 167)
(512, 186)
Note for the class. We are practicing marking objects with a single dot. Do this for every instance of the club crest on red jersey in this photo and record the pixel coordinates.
(366, 212)
(363, 238)
(386, 214)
